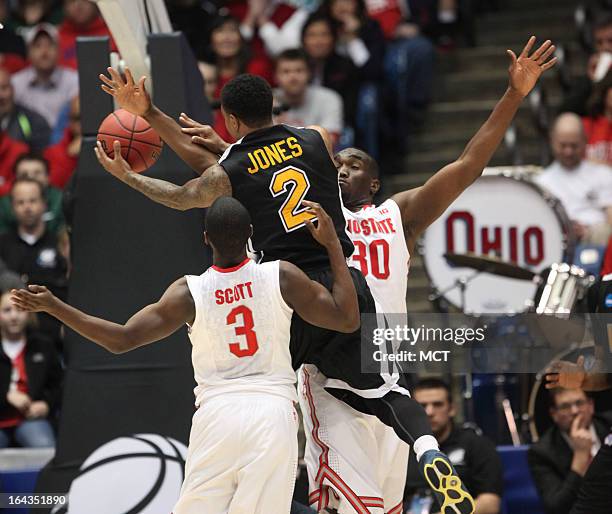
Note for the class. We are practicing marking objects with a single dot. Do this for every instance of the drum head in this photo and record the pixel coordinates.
(497, 215)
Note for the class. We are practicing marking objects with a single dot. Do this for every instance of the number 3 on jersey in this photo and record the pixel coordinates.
(246, 330)
(295, 182)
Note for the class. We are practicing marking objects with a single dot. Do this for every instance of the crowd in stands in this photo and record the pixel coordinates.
(370, 61)
(363, 69)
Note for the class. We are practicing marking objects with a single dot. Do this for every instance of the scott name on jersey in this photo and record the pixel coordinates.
(234, 294)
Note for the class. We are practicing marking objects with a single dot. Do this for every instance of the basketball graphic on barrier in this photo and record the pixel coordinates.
(139, 474)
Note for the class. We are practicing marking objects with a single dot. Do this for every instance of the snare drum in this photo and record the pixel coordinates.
(503, 213)
(562, 286)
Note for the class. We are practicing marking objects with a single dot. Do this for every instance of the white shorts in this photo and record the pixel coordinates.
(355, 463)
(242, 456)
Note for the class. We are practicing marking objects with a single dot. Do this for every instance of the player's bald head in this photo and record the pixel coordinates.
(369, 163)
(228, 226)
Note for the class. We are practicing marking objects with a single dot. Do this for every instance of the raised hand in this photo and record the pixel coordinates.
(130, 96)
(525, 70)
(580, 435)
(34, 299)
(325, 232)
(117, 166)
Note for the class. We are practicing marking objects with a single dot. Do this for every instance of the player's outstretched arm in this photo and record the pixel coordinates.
(197, 193)
(336, 310)
(422, 206)
(133, 97)
(154, 322)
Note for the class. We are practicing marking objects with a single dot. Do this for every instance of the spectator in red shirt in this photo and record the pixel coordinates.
(81, 19)
(63, 156)
(30, 381)
(230, 54)
(10, 150)
(598, 125)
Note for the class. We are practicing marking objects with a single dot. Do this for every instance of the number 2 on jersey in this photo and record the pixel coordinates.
(379, 264)
(291, 213)
(246, 330)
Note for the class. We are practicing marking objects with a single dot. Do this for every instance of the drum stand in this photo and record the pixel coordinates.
(461, 283)
(502, 402)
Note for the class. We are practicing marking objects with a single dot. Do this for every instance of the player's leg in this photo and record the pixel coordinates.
(341, 450)
(267, 463)
(211, 458)
(392, 467)
(410, 423)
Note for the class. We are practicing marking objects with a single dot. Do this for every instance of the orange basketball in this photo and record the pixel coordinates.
(140, 144)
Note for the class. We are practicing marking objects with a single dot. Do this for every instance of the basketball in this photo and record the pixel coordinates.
(140, 144)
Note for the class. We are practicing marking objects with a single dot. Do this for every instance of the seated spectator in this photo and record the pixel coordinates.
(360, 38)
(63, 156)
(302, 104)
(583, 187)
(211, 80)
(473, 456)
(29, 13)
(278, 38)
(254, 13)
(230, 54)
(576, 100)
(329, 69)
(408, 68)
(30, 249)
(598, 125)
(81, 18)
(45, 87)
(12, 46)
(21, 124)
(561, 457)
(30, 381)
(10, 150)
(34, 167)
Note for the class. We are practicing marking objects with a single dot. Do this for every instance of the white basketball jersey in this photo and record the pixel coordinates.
(381, 253)
(240, 335)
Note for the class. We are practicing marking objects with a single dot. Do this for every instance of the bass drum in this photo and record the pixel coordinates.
(503, 213)
(539, 400)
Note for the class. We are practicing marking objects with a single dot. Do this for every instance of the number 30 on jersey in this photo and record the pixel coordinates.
(295, 182)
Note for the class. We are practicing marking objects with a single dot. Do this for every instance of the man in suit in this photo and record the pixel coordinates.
(559, 460)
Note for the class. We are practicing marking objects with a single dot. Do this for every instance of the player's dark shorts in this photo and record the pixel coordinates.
(337, 355)
(595, 496)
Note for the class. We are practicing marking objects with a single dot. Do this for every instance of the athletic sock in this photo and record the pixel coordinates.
(424, 444)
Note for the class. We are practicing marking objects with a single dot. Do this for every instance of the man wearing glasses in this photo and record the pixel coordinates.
(562, 456)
